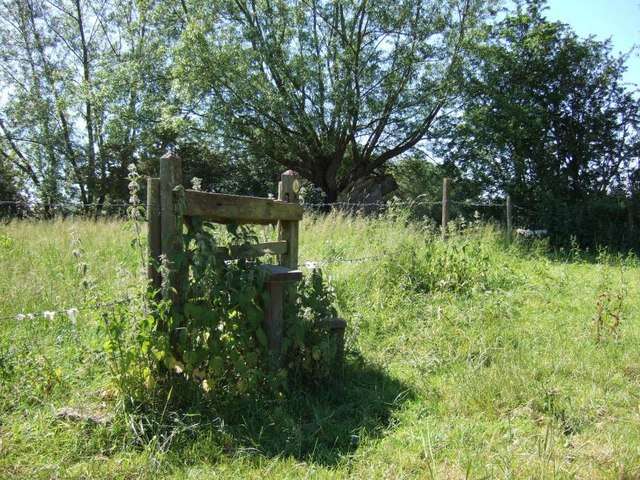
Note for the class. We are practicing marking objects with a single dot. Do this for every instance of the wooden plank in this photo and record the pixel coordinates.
(276, 273)
(222, 208)
(253, 251)
(153, 232)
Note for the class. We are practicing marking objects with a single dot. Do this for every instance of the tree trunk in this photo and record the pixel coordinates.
(91, 154)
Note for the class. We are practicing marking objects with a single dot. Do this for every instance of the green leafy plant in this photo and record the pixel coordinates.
(459, 265)
(311, 348)
(213, 342)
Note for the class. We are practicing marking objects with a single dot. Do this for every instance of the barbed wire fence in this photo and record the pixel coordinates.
(44, 210)
(420, 206)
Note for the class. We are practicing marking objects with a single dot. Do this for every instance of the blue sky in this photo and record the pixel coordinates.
(615, 19)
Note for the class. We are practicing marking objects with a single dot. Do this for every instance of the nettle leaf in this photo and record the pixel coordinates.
(199, 312)
(254, 316)
(217, 366)
(262, 337)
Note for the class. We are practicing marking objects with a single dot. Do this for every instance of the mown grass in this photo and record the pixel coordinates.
(466, 359)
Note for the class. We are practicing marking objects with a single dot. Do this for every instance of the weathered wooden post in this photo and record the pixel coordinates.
(288, 231)
(280, 284)
(171, 221)
(445, 205)
(154, 241)
(509, 219)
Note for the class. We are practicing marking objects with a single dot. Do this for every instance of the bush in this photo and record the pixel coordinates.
(214, 343)
(468, 260)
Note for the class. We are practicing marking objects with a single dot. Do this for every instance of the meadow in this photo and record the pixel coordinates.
(466, 358)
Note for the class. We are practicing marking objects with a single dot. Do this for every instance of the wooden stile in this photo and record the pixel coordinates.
(170, 206)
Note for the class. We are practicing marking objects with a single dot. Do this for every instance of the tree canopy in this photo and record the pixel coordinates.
(334, 90)
(546, 112)
(344, 92)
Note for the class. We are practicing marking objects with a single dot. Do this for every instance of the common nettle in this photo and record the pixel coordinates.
(213, 338)
(136, 211)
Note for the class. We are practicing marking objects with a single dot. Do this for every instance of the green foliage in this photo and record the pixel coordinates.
(333, 90)
(10, 189)
(214, 344)
(133, 349)
(310, 347)
(465, 263)
(611, 297)
(549, 120)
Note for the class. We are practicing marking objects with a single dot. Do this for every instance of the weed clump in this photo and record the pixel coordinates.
(212, 343)
(465, 262)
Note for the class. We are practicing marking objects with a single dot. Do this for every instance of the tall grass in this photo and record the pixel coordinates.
(466, 358)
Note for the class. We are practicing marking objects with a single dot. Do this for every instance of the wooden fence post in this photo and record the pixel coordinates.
(509, 219)
(288, 231)
(171, 221)
(154, 241)
(445, 205)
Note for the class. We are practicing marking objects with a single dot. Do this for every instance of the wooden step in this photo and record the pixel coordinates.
(277, 273)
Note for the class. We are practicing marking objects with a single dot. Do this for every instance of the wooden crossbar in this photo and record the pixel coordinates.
(222, 208)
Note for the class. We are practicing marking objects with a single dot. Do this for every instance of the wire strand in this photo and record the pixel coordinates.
(50, 314)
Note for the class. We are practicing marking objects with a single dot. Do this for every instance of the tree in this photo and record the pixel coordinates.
(11, 200)
(331, 89)
(85, 94)
(547, 116)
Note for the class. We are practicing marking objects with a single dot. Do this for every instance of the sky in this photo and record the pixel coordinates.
(615, 19)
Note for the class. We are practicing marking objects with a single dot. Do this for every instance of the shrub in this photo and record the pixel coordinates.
(310, 348)
(214, 344)
(465, 261)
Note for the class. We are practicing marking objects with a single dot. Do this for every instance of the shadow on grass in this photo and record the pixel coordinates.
(319, 424)
(574, 255)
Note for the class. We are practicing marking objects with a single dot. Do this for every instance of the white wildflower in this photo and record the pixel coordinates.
(72, 314)
(20, 317)
(48, 315)
(164, 270)
(135, 209)
(196, 184)
(31, 316)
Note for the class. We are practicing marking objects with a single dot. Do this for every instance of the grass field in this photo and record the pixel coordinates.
(466, 359)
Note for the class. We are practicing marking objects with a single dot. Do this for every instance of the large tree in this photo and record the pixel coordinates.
(332, 89)
(84, 94)
(547, 117)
